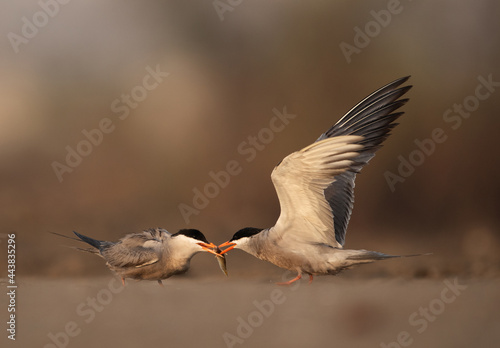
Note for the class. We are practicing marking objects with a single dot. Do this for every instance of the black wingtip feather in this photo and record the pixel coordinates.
(93, 242)
(373, 118)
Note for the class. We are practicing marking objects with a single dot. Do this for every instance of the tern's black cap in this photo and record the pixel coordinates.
(192, 233)
(246, 232)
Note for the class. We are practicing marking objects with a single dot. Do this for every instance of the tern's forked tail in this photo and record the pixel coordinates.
(365, 256)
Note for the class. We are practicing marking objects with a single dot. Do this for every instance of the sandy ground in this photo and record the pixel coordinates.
(225, 312)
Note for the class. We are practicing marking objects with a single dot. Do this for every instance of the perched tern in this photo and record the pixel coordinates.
(315, 187)
(153, 254)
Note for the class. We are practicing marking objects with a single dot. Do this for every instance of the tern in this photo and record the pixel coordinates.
(315, 187)
(153, 254)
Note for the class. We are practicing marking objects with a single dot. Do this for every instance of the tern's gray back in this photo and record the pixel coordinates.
(137, 249)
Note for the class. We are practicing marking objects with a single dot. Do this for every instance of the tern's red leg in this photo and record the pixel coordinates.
(310, 278)
(291, 281)
(123, 281)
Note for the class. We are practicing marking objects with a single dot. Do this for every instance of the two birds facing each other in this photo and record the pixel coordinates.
(315, 187)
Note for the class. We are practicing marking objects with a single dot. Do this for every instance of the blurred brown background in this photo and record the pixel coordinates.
(225, 78)
(200, 87)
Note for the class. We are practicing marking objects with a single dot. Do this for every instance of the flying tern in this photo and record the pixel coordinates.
(315, 187)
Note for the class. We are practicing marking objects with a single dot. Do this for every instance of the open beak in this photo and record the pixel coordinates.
(231, 246)
(211, 248)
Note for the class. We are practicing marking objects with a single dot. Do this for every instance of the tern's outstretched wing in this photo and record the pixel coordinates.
(136, 250)
(300, 181)
(315, 186)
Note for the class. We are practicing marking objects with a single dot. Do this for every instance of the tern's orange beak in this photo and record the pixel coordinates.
(209, 248)
(231, 246)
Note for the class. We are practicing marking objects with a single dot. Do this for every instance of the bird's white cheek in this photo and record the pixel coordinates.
(242, 246)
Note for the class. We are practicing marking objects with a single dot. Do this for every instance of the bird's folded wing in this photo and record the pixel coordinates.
(300, 181)
(136, 250)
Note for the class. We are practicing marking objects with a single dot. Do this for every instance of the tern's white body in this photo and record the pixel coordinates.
(153, 254)
(304, 257)
(315, 187)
